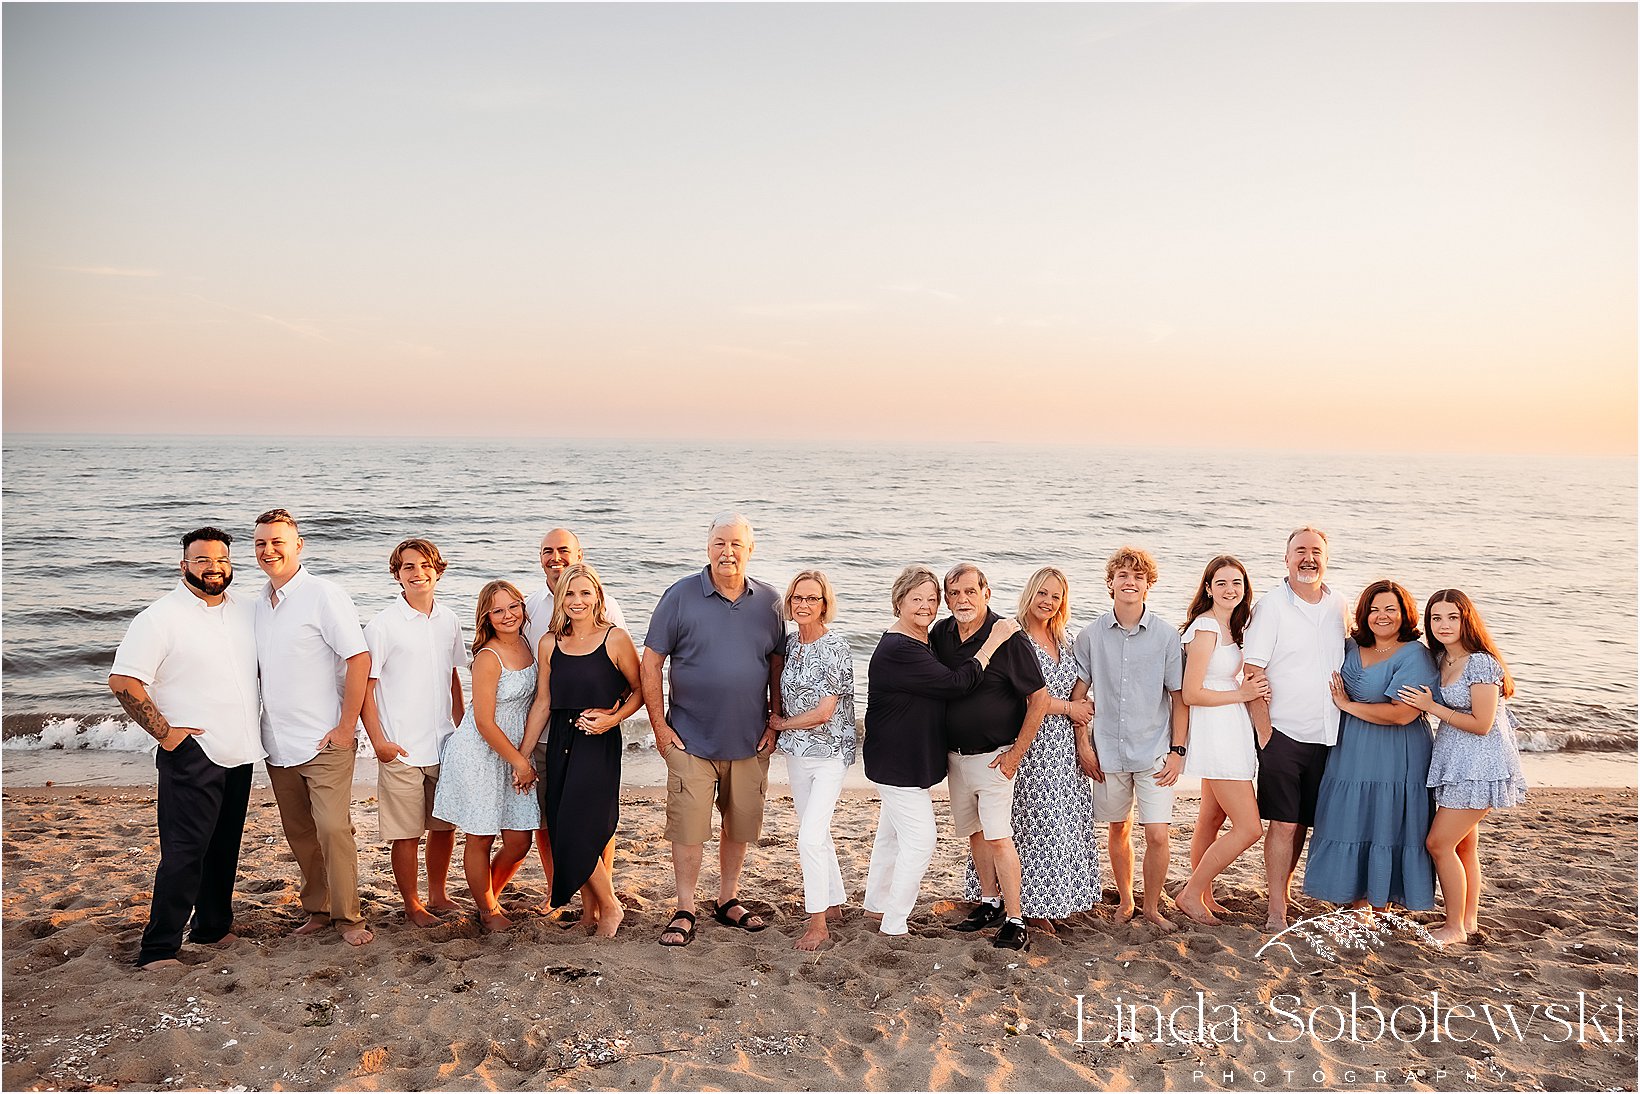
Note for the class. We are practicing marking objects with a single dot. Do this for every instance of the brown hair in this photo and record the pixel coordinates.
(560, 618)
(279, 516)
(1057, 622)
(1131, 558)
(483, 629)
(425, 546)
(1472, 635)
(828, 605)
(1202, 602)
(1362, 633)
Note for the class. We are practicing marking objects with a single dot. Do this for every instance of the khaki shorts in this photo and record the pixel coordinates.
(982, 797)
(1113, 799)
(692, 785)
(404, 799)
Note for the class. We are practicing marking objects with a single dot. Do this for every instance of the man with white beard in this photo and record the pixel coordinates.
(1296, 639)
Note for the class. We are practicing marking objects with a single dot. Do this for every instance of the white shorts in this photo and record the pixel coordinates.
(1113, 798)
(982, 797)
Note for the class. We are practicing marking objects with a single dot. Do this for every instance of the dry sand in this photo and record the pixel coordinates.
(548, 1007)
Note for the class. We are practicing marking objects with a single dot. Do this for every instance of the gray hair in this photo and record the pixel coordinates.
(731, 518)
(1310, 528)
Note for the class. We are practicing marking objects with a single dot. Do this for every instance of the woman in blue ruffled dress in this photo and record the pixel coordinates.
(1476, 764)
(1373, 811)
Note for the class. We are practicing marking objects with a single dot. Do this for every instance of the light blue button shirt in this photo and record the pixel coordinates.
(1129, 675)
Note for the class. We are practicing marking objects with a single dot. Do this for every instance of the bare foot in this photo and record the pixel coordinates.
(875, 917)
(1472, 926)
(1449, 934)
(420, 916)
(1124, 911)
(162, 963)
(1275, 922)
(835, 913)
(1214, 906)
(815, 933)
(495, 922)
(442, 904)
(357, 936)
(1195, 908)
(225, 941)
(1042, 926)
(609, 923)
(315, 923)
(1155, 918)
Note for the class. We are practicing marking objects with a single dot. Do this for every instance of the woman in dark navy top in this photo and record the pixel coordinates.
(905, 740)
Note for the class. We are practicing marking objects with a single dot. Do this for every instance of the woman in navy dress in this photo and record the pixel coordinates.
(588, 683)
(1476, 765)
(1373, 811)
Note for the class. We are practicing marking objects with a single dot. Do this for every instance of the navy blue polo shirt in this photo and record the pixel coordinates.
(719, 651)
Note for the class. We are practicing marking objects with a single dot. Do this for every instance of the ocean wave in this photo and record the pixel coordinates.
(72, 734)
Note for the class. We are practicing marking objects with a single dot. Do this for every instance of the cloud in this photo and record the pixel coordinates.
(921, 290)
(296, 327)
(107, 271)
(804, 309)
(761, 356)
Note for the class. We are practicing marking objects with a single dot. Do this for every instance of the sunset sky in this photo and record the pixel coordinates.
(1400, 227)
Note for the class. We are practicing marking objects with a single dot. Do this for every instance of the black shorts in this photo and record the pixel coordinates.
(1289, 779)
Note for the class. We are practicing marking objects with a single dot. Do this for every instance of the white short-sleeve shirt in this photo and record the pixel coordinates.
(199, 666)
(302, 647)
(538, 606)
(1299, 646)
(411, 659)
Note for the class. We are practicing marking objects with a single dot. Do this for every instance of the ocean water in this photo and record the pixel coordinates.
(1546, 547)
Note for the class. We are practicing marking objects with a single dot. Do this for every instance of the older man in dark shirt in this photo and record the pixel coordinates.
(725, 634)
(987, 732)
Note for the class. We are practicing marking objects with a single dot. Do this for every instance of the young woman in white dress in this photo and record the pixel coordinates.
(1222, 752)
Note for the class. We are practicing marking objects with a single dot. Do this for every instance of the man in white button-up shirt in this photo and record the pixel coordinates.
(315, 667)
(186, 673)
(1296, 639)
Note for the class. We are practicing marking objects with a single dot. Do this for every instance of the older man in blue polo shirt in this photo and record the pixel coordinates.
(724, 634)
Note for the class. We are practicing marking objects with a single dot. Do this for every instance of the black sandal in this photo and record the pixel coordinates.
(686, 935)
(722, 916)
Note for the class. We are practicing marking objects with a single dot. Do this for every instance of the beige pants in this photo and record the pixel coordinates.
(315, 801)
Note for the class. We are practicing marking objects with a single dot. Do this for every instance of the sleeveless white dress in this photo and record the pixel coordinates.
(1222, 743)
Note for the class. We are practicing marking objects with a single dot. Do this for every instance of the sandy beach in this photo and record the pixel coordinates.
(548, 1007)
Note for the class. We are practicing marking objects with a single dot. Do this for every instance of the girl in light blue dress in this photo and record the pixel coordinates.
(1476, 763)
(486, 783)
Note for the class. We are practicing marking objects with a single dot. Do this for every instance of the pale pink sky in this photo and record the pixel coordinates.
(1399, 227)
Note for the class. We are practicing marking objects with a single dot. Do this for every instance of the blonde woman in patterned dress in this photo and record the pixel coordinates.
(1054, 831)
(817, 737)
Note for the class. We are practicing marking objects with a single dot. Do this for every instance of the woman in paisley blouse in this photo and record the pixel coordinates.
(817, 737)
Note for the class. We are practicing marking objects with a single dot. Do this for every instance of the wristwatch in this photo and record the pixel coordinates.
(1177, 750)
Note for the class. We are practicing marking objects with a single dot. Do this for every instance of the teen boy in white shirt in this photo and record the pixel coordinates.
(411, 706)
(315, 667)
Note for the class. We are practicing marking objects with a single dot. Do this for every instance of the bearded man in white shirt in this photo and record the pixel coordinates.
(315, 668)
(186, 673)
(1296, 640)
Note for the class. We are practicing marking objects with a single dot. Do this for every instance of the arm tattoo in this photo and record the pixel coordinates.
(145, 714)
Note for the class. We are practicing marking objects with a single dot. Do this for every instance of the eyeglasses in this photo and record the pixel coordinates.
(507, 609)
(808, 600)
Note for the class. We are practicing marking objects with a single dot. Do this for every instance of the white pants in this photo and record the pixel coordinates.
(816, 784)
(900, 857)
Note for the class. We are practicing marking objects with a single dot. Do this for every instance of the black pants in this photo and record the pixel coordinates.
(201, 819)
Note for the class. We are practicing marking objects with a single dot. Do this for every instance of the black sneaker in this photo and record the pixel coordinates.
(982, 918)
(1012, 935)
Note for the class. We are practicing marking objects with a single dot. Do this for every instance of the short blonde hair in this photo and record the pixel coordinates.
(1131, 558)
(912, 577)
(1061, 618)
(828, 608)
